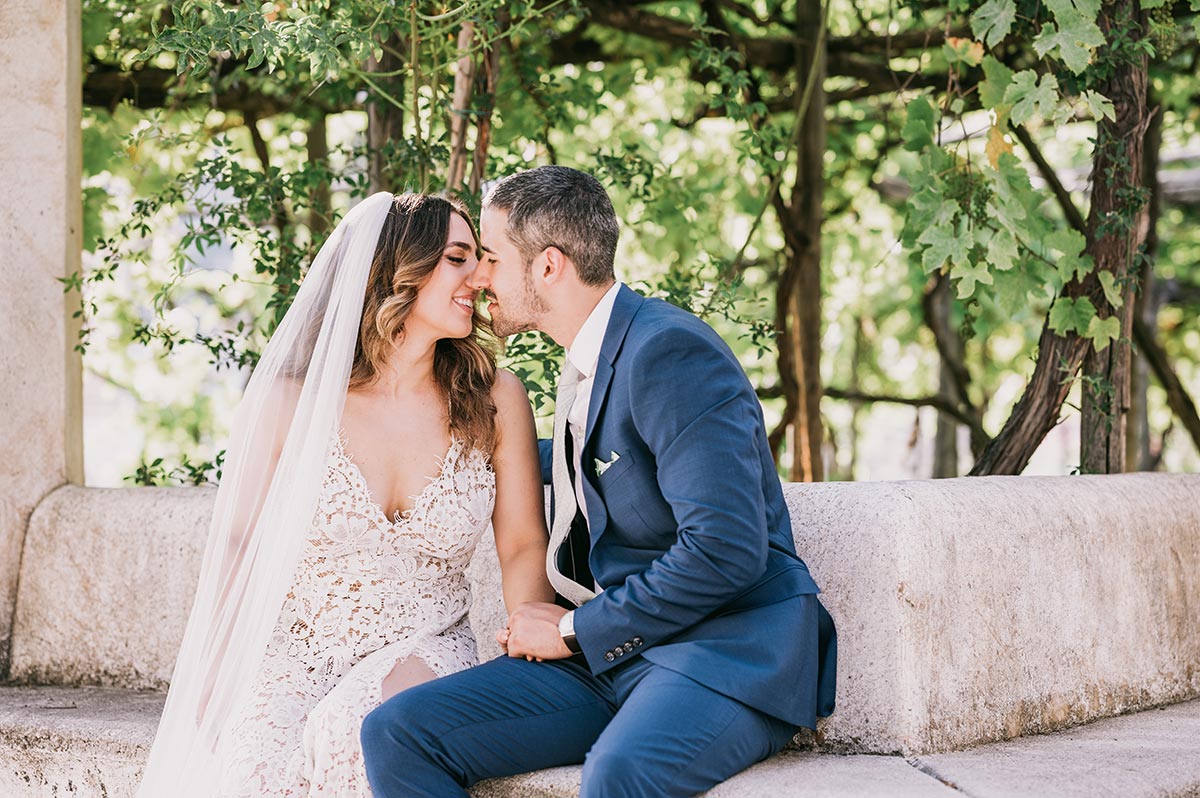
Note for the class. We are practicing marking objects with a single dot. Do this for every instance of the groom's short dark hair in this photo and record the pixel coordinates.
(556, 206)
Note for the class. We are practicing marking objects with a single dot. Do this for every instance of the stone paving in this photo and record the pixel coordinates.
(89, 742)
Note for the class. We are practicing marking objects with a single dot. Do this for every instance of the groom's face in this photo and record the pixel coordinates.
(513, 301)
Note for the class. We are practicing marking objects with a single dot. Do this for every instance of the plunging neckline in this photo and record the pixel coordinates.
(401, 516)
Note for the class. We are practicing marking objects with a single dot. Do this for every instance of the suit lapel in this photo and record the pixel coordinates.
(625, 307)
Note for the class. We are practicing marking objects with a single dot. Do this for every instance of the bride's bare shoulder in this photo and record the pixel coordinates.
(509, 394)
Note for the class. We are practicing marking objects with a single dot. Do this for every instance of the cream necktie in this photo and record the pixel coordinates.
(564, 492)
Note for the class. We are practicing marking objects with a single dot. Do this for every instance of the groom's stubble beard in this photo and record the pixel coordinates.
(519, 315)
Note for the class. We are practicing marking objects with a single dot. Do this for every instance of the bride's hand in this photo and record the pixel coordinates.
(534, 632)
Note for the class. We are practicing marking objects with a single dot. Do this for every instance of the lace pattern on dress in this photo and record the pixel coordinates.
(368, 593)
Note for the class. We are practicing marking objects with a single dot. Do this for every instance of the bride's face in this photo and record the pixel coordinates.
(445, 303)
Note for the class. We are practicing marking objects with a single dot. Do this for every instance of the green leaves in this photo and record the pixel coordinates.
(968, 274)
(962, 52)
(919, 125)
(1030, 97)
(993, 21)
(1078, 315)
(1098, 105)
(1071, 263)
(1112, 292)
(1002, 251)
(1071, 315)
(1103, 331)
(1076, 34)
(995, 84)
(945, 239)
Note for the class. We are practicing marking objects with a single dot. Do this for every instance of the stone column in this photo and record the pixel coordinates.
(40, 219)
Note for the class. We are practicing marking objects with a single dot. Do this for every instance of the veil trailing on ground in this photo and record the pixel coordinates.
(268, 495)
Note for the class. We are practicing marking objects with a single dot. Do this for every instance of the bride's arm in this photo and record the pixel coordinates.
(519, 519)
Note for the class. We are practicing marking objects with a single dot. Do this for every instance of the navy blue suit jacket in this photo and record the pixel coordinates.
(689, 535)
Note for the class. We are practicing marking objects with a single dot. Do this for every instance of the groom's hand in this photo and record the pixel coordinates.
(533, 632)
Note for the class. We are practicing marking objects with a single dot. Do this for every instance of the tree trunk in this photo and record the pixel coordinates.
(483, 124)
(856, 407)
(945, 439)
(1116, 176)
(806, 217)
(460, 107)
(1117, 170)
(318, 151)
(1145, 308)
(385, 121)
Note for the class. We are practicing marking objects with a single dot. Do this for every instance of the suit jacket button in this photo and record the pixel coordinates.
(637, 641)
(628, 647)
(620, 652)
(608, 655)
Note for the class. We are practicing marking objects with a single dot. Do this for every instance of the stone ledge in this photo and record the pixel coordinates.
(90, 742)
(968, 610)
(1155, 754)
(84, 742)
(791, 773)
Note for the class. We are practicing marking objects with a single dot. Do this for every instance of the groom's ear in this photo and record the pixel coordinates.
(555, 266)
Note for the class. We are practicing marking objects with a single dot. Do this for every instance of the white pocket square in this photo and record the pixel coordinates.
(602, 466)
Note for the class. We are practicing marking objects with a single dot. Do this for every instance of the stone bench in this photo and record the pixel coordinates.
(968, 610)
(90, 742)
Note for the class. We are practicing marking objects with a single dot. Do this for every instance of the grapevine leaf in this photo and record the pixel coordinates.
(1069, 315)
(1030, 97)
(1076, 35)
(1099, 105)
(944, 242)
(1072, 262)
(1002, 250)
(993, 21)
(923, 207)
(997, 145)
(1011, 292)
(996, 79)
(1112, 291)
(1103, 331)
(919, 126)
(1013, 193)
(968, 274)
(962, 51)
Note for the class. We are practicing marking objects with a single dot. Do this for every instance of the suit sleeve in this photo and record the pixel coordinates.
(699, 416)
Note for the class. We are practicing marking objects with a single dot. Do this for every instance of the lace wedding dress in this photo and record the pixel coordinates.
(369, 592)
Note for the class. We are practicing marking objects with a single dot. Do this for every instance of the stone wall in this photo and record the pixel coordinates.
(40, 209)
(968, 610)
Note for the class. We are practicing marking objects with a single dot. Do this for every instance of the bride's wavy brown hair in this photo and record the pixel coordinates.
(411, 244)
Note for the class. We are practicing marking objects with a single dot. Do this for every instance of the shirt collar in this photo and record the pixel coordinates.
(585, 349)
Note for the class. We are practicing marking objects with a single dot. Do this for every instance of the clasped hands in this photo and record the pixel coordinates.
(532, 632)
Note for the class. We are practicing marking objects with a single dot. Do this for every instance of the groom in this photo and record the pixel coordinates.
(697, 645)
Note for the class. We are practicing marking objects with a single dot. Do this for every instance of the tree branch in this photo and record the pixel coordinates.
(959, 376)
(107, 86)
(939, 403)
(1074, 217)
(1177, 396)
(772, 53)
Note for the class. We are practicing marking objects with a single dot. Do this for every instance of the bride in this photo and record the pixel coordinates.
(375, 443)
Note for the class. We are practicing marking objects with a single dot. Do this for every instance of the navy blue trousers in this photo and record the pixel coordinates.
(640, 731)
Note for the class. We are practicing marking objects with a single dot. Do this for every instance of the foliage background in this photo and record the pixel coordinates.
(223, 139)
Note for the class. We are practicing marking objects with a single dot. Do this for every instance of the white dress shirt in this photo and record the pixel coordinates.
(584, 354)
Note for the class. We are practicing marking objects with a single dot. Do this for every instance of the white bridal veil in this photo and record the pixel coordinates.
(272, 478)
